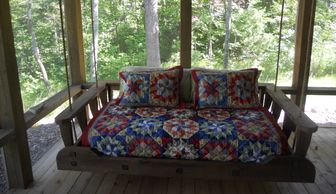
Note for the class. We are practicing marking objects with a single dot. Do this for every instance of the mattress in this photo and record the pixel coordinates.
(244, 135)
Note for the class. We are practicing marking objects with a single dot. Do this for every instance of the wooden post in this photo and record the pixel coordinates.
(73, 18)
(303, 47)
(185, 33)
(11, 111)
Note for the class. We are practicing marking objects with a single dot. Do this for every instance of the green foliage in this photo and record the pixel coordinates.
(122, 42)
(46, 25)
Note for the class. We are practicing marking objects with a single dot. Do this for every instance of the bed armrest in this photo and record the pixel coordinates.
(93, 98)
(295, 119)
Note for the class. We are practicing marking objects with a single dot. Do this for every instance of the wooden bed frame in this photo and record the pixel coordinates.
(297, 126)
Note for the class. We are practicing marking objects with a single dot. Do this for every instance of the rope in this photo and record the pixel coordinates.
(279, 45)
(94, 46)
(65, 55)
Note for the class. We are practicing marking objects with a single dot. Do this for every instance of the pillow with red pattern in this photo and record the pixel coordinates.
(150, 87)
(226, 89)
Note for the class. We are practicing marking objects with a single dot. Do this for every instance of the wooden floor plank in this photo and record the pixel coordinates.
(44, 164)
(80, 184)
(120, 184)
(133, 185)
(325, 171)
(38, 185)
(327, 142)
(68, 182)
(94, 183)
(325, 158)
(297, 188)
(323, 184)
(107, 183)
(284, 188)
(174, 185)
(56, 182)
(312, 188)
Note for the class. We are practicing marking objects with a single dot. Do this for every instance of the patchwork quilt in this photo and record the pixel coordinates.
(246, 135)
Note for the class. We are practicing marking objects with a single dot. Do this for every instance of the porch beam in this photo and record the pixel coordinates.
(185, 33)
(16, 151)
(73, 17)
(303, 47)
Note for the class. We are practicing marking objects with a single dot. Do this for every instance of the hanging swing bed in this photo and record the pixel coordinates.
(237, 138)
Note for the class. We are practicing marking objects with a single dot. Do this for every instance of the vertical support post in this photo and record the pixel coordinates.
(11, 111)
(73, 18)
(303, 47)
(185, 33)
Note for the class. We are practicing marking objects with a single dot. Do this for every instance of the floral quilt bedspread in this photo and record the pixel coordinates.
(246, 135)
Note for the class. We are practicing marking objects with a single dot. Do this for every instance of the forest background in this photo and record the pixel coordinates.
(251, 33)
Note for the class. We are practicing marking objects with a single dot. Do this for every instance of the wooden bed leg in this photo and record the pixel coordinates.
(302, 142)
(66, 132)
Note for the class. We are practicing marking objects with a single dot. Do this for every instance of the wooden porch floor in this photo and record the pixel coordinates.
(48, 179)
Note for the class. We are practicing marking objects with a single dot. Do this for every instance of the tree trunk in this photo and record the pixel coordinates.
(35, 49)
(227, 33)
(152, 33)
(210, 53)
(94, 44)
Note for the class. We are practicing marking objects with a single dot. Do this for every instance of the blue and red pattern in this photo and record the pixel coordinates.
(246, 135)
(150, 88)
(242, 88)
(135, 87)
(227, 89)
(211, 89)
(164, 88)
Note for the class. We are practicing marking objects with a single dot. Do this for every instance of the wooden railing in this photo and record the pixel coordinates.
(39, 111)
(5, 136)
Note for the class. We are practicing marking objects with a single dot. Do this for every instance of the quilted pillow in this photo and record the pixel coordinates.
(150, 88)
(226, 89)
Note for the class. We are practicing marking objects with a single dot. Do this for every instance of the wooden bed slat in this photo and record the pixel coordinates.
(268, 101)
(288, 126)
(276, 110)
(82, 119)
(94, 106)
